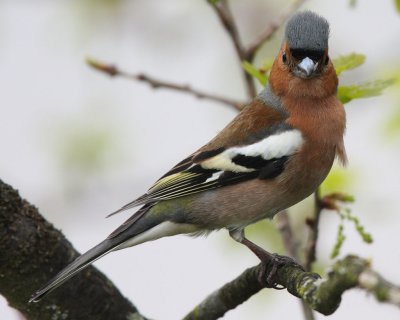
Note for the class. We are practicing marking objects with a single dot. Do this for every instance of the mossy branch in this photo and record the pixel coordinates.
(321, 294)
(32, 251)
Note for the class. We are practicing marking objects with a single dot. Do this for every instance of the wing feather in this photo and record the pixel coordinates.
(263, 159)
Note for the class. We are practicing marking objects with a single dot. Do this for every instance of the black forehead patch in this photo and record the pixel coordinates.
(308, 31)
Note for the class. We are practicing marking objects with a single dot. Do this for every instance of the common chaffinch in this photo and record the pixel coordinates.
(275, 153)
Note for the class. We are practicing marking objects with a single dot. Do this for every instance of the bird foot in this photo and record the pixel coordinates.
(270, 266)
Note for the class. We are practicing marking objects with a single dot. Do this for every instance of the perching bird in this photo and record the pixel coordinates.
(275, 153)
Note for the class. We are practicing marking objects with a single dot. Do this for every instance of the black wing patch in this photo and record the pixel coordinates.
(262, 159)
(273, 169)
(199, 179)
(250, 162)
(206, 179)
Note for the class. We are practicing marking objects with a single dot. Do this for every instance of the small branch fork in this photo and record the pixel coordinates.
(247, 54)
(225, 16)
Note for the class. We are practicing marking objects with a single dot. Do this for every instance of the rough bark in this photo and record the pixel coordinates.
(32, 251)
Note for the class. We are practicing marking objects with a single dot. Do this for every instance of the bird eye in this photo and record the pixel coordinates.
(326, 60)
(284, 59)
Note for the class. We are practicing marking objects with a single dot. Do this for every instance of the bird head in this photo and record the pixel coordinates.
(303, 59)
(305, 48)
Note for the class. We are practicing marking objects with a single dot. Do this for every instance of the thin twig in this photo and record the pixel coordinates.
(270, 30)
(291, 246)
(311, 246)
(113, 71)
(225, 16)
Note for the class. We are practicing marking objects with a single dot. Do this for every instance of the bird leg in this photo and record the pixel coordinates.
(268, 259)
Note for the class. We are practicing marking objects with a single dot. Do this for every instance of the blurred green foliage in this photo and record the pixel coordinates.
(397, 4)
(352, 3)
(363, 90)
(87, 145)
(391, 127)
(85, 149)
(255, 72)
(338, 179)
(348, 62)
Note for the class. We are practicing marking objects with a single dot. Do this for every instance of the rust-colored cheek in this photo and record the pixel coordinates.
(279, 78)
(284, 83)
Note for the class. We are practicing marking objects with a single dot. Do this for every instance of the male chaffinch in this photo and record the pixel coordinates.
(275, 153)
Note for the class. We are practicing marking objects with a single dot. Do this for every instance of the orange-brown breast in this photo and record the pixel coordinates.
(312, 106)
(322, 123)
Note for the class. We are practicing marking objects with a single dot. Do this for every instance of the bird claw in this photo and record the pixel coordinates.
(274, 263)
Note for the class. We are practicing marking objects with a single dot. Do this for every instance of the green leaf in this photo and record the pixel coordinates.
(256, 73)
(213, 2)
(397, 4)
(267, 65)
(363, 90)
(340, 238)
(348, 62)
(266, 68)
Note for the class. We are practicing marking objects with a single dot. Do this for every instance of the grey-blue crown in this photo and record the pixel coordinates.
(307, 30)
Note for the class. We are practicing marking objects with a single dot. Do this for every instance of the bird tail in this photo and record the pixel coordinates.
(80, 263)
(130, 230)
(140, 228)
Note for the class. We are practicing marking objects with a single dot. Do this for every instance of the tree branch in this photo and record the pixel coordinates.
(291, 246)
(270, 30)
(113, 71)
(311, 245)
(322, 295)
(224, 14)
(32, 251)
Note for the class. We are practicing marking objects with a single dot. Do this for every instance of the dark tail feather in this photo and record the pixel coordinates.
(118, 237)
(80, 263)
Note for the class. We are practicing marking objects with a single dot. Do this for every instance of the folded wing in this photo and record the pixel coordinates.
(264, 158)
